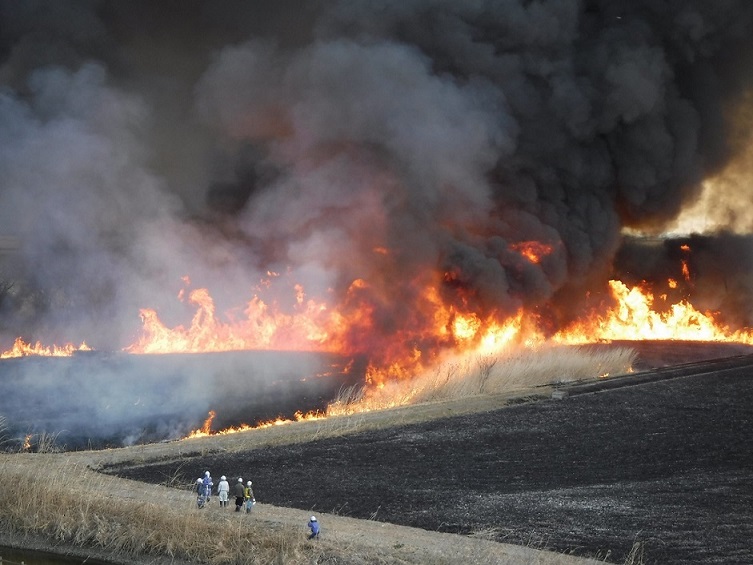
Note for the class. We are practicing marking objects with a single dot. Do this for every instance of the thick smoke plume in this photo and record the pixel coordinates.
(401, 143)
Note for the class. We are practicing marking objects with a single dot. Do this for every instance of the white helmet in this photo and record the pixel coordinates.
(240, 479)
(249, 483)
(313, 518)
(223, 478)
(206, 473)
(199, 480)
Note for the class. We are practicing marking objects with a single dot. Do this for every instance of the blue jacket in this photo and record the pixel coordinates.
(314, 526)
(208, 486)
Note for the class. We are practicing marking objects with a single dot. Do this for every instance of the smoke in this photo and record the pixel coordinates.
(94, 399)
(400, 143)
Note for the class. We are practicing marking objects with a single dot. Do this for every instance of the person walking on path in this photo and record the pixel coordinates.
(223, 490)
(248, 496)
(313, 525)
(239, 493)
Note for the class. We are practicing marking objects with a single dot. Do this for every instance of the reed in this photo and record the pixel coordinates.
(464, 377)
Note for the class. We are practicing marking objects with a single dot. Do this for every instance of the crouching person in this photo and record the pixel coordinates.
(313, 526)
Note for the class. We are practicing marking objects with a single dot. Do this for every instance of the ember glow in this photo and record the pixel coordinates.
(532, 250)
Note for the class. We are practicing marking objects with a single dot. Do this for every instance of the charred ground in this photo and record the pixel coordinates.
(665, 462)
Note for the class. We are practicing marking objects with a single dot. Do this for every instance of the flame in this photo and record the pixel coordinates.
(534, 251)
(443, 317)
(637, 316)
(685, 268)
(23, 349)
(205, 430)
(310, 327)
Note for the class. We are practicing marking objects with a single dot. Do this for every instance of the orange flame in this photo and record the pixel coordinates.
(685, 268)
(205, 430)
(309, 328)
(443, 318)
(22, 349)
(534, 251)
(636, 317)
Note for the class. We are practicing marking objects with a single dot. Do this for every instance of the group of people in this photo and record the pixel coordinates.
(244, 497)
(244, 494)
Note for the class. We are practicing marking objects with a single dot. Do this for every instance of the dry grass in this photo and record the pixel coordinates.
(505, 373)
(66, 502)
(61, 496)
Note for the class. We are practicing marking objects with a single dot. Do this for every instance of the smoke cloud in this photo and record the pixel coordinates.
(143, 142)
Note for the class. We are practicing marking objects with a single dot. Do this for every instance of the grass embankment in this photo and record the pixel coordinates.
(68, 503)
(59, 496)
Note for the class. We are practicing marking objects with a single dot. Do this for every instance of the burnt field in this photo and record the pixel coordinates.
(666, 462)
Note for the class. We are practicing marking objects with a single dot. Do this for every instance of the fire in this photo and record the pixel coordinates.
(534, 251)
(23, 349)
(685, 268)
(442, 319)
(206, 431)
(310, 327)
(637, 316)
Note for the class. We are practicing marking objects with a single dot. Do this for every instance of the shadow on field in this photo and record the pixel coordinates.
(666, 463)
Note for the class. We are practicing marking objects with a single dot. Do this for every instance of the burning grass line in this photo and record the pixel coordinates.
(464, 377)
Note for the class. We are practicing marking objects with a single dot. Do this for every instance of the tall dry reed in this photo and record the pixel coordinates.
(463, 376)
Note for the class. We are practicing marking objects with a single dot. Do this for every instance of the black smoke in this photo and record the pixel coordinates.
(144, 141)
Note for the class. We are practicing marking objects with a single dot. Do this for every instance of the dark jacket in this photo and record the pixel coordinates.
(238, 490)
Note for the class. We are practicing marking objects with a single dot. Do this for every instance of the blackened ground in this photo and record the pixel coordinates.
(668, 463)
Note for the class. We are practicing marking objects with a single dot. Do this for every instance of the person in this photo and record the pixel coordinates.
(208, 484)
(200, 498)
(248, 496)
(313, 525)
(239, 493)
(223, 489)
